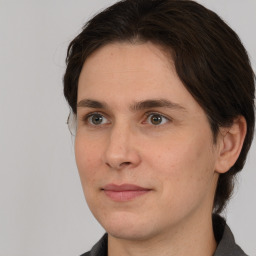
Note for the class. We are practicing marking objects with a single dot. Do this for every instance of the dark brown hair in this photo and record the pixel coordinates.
(209, 59)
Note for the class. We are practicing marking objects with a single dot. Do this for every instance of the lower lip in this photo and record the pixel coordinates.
(123, 196)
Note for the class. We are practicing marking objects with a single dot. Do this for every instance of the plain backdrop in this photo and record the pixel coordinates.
(42, 207)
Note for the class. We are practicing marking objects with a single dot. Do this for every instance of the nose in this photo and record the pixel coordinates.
(121, 151)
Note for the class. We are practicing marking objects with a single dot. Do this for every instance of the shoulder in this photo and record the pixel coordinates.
(225, 239)
(86, 254)
(100, 248)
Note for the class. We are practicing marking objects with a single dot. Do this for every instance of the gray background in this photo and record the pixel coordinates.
(42, 209)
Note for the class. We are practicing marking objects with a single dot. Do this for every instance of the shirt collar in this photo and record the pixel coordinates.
(225, 239)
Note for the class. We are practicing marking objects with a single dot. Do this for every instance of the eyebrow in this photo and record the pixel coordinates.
(155, 103)
(137, 106)
(87, 103)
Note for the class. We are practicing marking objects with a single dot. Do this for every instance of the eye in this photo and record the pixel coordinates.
(96, 119)
(156, 119)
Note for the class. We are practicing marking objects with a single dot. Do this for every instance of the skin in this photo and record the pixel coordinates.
(176, 159)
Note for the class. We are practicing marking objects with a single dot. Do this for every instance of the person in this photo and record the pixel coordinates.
(162, 94)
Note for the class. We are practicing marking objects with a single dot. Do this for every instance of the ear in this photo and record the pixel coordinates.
(230, 143)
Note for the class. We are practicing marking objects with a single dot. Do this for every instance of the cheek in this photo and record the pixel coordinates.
(186, 164)
(87, 158)
(191, 151)
(185, 175)
(88, 165)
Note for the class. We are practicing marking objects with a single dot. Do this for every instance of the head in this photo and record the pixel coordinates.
(207, 56)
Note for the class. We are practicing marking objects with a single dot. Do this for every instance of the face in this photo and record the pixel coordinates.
(144, 147)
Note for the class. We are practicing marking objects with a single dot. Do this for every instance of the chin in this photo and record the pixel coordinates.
(130, 234)
(128, 227)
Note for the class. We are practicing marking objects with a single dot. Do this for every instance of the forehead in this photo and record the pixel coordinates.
(122, 73)
(127, 58)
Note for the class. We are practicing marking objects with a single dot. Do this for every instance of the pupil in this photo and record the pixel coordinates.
(97, 119)
(156, 119)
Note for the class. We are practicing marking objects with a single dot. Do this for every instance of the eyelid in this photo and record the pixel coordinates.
(85, 118)
(148, 114)
(156, 113)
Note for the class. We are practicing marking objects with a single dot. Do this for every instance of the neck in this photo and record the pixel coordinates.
(194, 238)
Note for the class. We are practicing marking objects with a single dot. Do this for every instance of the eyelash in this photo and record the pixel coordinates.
(157, 114)
(86, 118)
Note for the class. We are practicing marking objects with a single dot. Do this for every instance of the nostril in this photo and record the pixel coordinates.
(125, 163)
(118, 166)
(108, 164)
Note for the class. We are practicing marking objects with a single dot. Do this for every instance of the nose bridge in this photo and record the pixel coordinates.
(120, 136)
(120, 150)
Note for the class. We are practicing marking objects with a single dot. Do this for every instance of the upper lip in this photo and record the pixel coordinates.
(124, 187)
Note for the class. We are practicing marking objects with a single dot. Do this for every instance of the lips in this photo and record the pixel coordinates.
(124, 192)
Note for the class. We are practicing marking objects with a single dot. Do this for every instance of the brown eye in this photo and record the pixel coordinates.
(156, 119)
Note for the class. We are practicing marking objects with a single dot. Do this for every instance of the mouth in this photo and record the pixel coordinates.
(124, 192)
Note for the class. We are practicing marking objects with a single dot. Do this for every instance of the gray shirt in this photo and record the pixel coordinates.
(223, 235)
